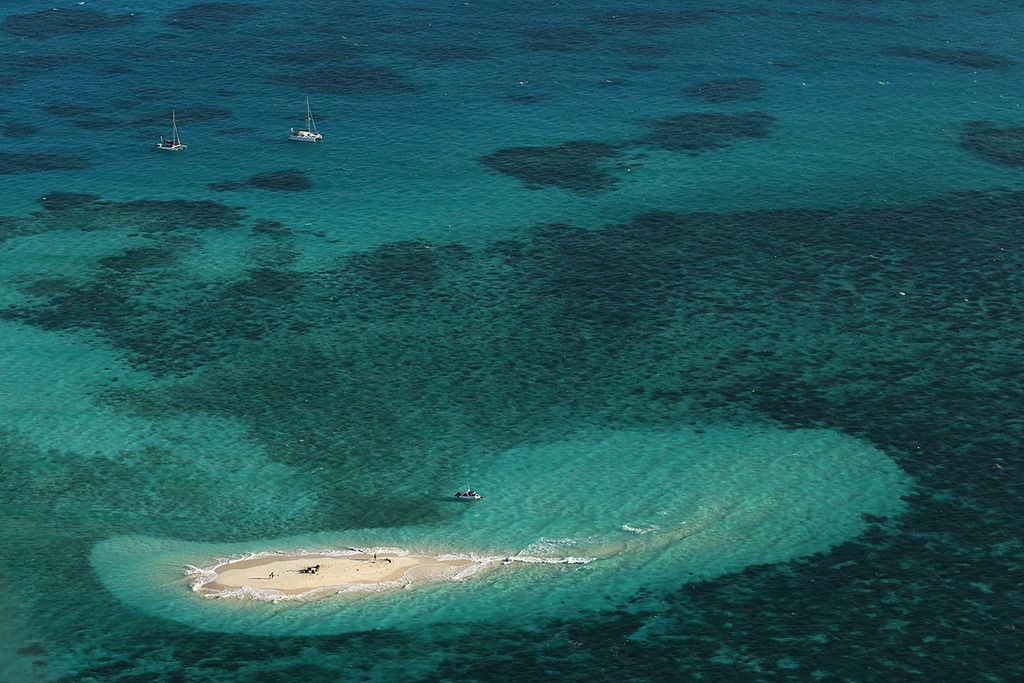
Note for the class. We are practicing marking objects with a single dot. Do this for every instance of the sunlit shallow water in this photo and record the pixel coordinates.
(724, 299)
(651, 510)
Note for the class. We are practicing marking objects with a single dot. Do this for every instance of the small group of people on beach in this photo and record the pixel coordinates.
(316, 567)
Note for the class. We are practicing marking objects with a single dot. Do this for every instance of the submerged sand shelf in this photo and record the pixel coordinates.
(273, 576)
(654, 509)
(281, 573)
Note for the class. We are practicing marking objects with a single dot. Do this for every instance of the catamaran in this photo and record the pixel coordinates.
(309, 133)
(174, 144)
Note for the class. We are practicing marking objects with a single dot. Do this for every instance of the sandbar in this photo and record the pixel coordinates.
(281, 572)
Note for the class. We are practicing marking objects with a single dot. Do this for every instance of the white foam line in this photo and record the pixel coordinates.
(201, 576)
(205, 575)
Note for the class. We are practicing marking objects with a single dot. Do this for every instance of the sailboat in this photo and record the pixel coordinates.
(309, 133)
(174, 144)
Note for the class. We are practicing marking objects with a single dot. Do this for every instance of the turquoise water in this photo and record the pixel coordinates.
(695, 505)
(723, 299)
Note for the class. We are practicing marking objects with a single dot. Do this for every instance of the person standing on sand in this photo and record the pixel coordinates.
(375, 557)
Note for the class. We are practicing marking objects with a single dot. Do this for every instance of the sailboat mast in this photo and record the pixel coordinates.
(174, 128)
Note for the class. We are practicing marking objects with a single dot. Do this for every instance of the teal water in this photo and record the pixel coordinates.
(696, 505)
(723, 299)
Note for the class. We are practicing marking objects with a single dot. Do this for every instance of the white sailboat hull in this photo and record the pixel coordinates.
(174, 144)
(305, 136)
(309, 133)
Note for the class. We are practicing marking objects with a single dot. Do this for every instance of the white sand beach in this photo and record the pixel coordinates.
(282, 572)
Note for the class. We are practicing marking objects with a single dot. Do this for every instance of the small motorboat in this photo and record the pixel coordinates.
(468, 494)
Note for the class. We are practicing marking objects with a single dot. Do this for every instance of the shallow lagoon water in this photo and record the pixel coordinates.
(829, 265)
(622, 510)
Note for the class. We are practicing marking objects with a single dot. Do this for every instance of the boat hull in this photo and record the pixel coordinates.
(306, 138)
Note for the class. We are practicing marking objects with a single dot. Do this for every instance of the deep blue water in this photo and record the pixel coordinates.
(746, 278)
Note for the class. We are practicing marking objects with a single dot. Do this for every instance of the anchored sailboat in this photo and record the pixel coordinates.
(309, 133)
(174, 144)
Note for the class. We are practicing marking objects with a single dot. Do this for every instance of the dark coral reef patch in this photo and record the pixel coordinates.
(642, 50)
(49, 23)
(647, 22)
(62, 201)
(857, 19)
(524, 99)
(969, 58)
(139, 258)
(288, 180)
(395, 267)
(33, 650)
(20, 130)
(349, 79)
(30, 162)
(147, 93)
(121, 298)
(559, 39)
(581, 165)
(189, 114)
(17, 68)
(727, 90)
(265, 226)
(1003, 146)
(96, 123)
(170, 215)
(87, 212)
(69, 109)
(211, 15)
(703, 131)
(334, 52)
(48, 287)
(269, 283)
(452, 53)
(575, 165)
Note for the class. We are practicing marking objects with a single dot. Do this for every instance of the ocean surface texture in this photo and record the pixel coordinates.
(719, 305)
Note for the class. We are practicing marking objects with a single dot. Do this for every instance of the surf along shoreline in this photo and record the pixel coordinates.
(277, 576)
